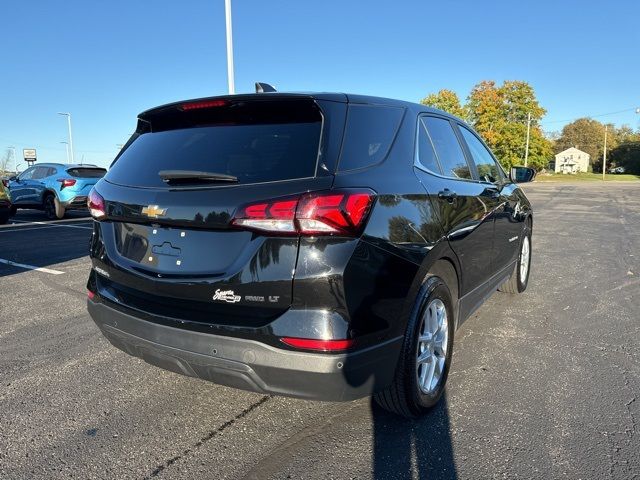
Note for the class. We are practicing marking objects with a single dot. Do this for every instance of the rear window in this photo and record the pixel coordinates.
(87, 172)
(255, 143)
(369, 134)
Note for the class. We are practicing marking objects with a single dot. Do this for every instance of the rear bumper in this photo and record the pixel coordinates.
(76, 202)
(250, 365)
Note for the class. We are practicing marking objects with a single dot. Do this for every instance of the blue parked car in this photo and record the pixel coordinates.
(54, 187)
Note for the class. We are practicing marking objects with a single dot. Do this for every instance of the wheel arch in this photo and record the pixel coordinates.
(46, 192)
(441, 262)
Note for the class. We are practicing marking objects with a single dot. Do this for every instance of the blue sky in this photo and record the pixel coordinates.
(106, 61)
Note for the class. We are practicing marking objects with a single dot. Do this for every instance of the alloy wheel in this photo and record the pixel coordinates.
(525, 253)
(432, 346)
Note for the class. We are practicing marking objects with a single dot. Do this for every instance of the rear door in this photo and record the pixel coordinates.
(465, 209)
(169, 246)
(500, 190)
(42, 178)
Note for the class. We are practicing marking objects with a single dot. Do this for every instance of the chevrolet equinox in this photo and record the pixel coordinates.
(321, 246)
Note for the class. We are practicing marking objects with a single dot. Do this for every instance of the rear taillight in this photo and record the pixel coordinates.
(319, 345)
(66, 182)
(90, 295)
(338, 212)
(96, 205)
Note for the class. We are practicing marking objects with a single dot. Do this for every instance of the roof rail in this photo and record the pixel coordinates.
(264, 88)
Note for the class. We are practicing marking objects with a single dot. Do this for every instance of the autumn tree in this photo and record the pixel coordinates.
(446, 100)
(499, 114)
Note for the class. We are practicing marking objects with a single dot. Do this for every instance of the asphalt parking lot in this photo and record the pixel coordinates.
(543, 385)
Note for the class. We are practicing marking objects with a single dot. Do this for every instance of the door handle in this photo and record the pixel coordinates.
(447, 195)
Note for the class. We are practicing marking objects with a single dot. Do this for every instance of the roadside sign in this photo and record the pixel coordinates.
(29, 154)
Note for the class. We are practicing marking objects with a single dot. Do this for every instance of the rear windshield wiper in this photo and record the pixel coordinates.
(174, 177)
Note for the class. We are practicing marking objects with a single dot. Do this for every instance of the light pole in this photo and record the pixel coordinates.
(227, 15)
(68, 115)
(66, 144)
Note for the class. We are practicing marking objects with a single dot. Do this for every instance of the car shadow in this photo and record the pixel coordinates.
(412, 448)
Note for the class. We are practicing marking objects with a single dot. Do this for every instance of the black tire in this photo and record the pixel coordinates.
(404, 396)
(516, 284)
(13, 211)
(4, 216)
(52, 209)
(49, 206)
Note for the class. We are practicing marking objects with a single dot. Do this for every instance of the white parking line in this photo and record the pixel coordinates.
(15, 230)
(31, 267)
(49, 224)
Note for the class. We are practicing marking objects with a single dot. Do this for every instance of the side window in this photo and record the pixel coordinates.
(369, 134)
(39, 173)
(448, 149)
(27, 174)
(51, 171)
(488, 169)
(426, 153)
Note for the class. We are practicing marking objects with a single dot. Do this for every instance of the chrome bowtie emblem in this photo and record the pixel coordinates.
(154, 211)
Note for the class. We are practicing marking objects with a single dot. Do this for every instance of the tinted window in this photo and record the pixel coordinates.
(87, 172)
(39, 173)
(369, 134)
(426, 153)
(253, 153)
(488, 170)
(447, 148)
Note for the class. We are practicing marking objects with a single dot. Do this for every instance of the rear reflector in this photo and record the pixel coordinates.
(203, 104)
(66, 182)
(319, 345)
(337, 212)
(90, 295)
(96, 205)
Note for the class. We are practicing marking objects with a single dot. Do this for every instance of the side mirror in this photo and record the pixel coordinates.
(522, 174)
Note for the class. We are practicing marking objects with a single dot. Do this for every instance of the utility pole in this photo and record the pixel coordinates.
(526, 149)
(227, 14)
(604, 155)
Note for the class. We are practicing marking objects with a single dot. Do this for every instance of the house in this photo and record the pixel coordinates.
(572, 160)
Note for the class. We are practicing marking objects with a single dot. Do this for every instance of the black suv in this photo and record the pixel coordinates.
(322, 246)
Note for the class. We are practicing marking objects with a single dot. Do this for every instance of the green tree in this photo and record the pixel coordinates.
(626, 155)
(446, 100)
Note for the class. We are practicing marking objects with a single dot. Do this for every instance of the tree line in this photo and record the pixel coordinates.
(499, 113)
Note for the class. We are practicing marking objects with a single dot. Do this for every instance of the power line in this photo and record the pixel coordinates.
(590, 116)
